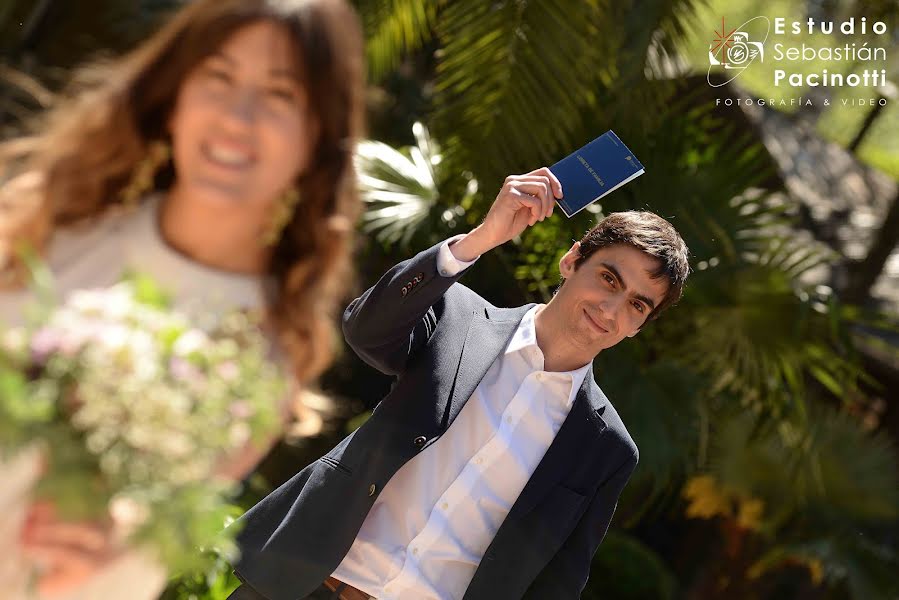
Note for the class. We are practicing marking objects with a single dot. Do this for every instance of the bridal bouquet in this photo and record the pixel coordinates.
(134, 406)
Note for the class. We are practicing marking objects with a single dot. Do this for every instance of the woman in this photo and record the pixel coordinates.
(217, 158)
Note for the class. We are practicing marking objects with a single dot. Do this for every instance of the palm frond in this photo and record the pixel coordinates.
(508, 91)
(400, 188)
(659, 405)
(394, 29)
(867, 567)
(826, 471)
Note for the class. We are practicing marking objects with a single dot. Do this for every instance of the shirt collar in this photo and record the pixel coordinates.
(525, 336)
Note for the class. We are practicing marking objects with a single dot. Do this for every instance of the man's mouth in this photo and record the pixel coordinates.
(595, 325)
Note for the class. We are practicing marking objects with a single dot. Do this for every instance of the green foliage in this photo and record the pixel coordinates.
(733, 378)
(400, 188)
(215, 582)
(626, 569)
(394, 28)
(135, 409)
(815, 469)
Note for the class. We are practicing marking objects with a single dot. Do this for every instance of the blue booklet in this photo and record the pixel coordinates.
(588, 174)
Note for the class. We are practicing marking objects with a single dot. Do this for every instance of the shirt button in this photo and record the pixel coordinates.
(540, 376)
(508, 418)
(415, 550)
(444, 505)
(444, 272)
(478, 460)
(371, 490)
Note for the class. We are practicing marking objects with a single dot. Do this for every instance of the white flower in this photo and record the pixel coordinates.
(177, 445)
(239, 434)
(112, 336)
(190, 341)
(15, 341)
(87, 301)
(128, 514)
(118, 301)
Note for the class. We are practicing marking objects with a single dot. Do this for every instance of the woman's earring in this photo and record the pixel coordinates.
(283, 211)
(144, 173)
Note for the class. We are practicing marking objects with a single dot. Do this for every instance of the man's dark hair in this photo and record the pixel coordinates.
(651, 234)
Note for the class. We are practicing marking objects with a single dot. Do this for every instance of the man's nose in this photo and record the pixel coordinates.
(609, 311)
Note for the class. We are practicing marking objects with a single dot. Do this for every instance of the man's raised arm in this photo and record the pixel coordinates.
(396, 316)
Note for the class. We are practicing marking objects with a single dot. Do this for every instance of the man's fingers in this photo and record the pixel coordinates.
(532, 203)
(539, 188)
(555, 184)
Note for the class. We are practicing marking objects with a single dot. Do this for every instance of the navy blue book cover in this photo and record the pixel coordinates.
(590, 173)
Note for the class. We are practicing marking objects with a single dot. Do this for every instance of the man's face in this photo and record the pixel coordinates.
(608, 297)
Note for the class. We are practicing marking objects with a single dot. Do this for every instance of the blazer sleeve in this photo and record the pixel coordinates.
(566, 574)
(397, 315)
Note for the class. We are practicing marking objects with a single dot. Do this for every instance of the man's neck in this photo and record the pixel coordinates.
(559, 353)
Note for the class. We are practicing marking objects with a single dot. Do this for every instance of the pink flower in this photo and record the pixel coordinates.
(182, 370)
(44, 342)
(228, 370)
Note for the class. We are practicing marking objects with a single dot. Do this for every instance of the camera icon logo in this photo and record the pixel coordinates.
(736, 52)
(735, 49)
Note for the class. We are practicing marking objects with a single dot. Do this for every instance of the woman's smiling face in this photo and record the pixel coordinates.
(241, 129)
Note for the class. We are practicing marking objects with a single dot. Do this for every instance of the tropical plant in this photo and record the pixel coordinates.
(754, 341)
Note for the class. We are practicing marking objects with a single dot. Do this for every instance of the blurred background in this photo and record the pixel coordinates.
(765, 405)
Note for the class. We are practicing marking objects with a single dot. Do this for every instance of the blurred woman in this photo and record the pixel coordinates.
(217, 158)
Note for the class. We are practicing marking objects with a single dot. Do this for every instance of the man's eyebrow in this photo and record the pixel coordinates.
(279, 72)
(646, 300)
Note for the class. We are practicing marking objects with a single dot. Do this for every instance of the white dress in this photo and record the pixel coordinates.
(96, 256)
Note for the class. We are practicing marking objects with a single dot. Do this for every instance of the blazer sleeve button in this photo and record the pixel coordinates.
(371, 489)
(420, 441)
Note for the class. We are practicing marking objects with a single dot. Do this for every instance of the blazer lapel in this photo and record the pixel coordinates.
(578, 433)
(487, 336)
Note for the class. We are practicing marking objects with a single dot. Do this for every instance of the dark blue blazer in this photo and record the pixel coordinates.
(439, 338)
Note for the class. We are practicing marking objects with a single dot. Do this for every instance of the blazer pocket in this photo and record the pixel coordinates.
(561, 509)
(336, 464)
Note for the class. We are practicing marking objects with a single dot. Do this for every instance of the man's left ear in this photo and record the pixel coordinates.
(566, 264)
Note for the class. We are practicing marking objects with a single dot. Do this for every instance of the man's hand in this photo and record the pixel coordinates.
(523, 201)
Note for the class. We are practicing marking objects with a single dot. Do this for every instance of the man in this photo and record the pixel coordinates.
(493, 467)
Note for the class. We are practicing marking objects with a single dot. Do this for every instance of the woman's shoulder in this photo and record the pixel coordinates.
(86, 254)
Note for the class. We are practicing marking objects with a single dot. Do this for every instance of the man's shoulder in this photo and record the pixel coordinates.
(616, 428)
(466, 301)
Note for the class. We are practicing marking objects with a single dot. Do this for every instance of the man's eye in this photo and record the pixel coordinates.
(608, 279)
(638, 306)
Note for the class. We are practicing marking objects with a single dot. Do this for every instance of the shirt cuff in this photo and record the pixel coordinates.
(447, 264)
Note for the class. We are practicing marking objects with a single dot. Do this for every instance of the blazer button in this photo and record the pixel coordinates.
(420, 441)
(371, 490)
(405, 290)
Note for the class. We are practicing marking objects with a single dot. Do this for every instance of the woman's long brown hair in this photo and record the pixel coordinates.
(84, 150)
